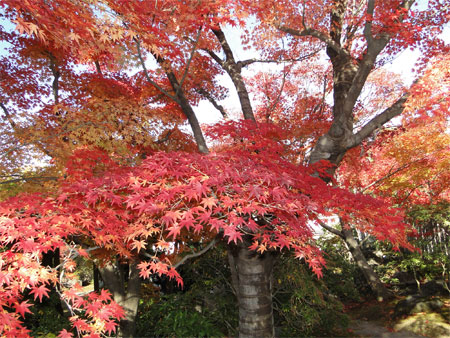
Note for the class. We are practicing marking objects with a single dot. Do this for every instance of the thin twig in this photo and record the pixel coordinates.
(194, 48)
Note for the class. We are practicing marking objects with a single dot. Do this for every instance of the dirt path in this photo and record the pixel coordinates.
(364, 328)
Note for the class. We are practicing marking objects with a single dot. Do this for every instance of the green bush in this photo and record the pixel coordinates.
(174, 316)
(205, 307)
(433, 261)
(47, 319)
(342, 276)
(303, 304)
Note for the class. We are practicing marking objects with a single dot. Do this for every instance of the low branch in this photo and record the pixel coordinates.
(330, 229)
(196, 254)
(165, 138)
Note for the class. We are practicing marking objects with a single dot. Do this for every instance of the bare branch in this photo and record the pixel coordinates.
(8, 116)
(277, 99)
(215, 57)
(147, 76)
(330, 229)
(208, 96)
(196, 254)
(245, 63)
(194, 48)
(316, 34)
(324, 93)
(379, 120)
(385, 177)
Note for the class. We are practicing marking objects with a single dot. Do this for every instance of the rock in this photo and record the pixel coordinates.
(431, 305)
(426, 324)
(434, 288)
(416, 304)
(405, 306)
(363, 328)
(405, 278)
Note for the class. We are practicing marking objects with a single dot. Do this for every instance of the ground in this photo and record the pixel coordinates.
(373, 319)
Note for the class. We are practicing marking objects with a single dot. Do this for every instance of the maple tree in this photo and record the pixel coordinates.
(126, 181)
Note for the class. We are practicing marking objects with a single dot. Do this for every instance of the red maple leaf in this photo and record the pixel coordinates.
(65, 334)
(22, 308)
(40, 291)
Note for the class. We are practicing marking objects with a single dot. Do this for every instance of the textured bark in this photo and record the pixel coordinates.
(188, 112)
(234, 71)
(125, 289)
(96, 278)
(349, 77)
(371, 277)
(252, 278)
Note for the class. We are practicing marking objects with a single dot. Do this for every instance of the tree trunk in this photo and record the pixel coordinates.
(371, 277)
(126, 292)
(252, 279)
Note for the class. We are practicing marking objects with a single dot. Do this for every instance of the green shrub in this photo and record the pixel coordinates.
(205, 307)
(341, 275)
(303, 304)
(173, 316)
(47, 319)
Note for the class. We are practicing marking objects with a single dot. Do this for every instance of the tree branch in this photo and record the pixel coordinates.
(368, 26)
(8, 116)
(165, 138)
(147, 76)
(374, 48)
(316, 34)
(379, 120)
(56, 75)
(215, 57)
(208, 96)
(196, 254)
(81, 125)
(391, 173)
(194, 48)
(245, 63)
(277, 99)
(225, 46)
(330, 229)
